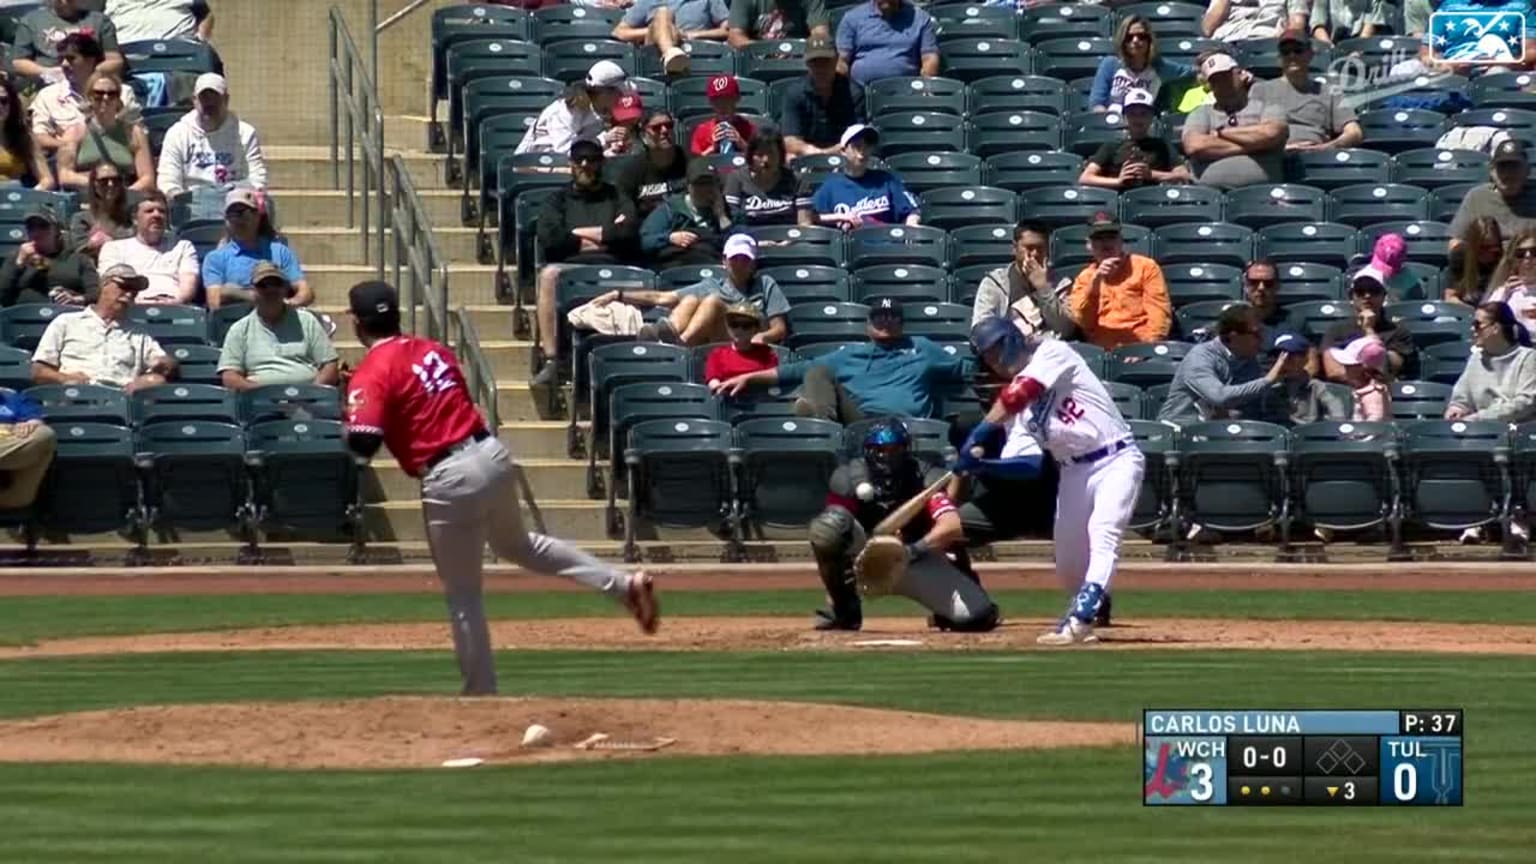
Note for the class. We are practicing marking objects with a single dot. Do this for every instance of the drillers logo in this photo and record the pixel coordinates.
(1477, 37)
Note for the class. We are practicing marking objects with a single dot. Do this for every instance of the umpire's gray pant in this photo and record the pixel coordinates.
(936, 584)
(469, 499)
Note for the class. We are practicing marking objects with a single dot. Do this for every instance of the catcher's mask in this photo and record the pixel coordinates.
(1000, 344)
(887, 451)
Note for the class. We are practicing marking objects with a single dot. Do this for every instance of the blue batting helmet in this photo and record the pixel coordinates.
(993, 332)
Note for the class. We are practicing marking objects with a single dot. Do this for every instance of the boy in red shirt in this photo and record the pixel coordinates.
(726, 131)
(744, 322)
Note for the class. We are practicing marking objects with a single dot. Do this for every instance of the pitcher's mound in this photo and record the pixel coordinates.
(425, 732)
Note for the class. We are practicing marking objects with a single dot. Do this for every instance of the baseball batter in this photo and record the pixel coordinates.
(409, 394)
(1053, 398)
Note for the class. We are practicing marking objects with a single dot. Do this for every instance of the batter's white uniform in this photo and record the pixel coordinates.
(1077, 423)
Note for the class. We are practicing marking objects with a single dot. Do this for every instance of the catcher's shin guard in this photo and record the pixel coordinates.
(834, 537)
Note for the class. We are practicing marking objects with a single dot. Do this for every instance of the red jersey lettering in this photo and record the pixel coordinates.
(411, 391)
(939, 505)
(1020, 392)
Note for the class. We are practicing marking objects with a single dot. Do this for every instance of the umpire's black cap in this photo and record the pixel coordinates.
(376, 304)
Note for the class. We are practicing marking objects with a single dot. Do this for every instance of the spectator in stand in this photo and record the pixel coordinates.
(35, 49)
(158, 20)
(667, 24)
(27, 445)
(1388, 255)
(887, 39)
(590, 221)
(1300, 398)
(1239, 140)
(744, 353)
(1318, 116)
(1507, 198)
(891, 375)
(1499, 382)
(1470, 274)
(752, 20)
(1119, 299)
(1261, 289)
(725, 131)
(59, 111)
(45, 269)
(250, 241)
(1515, 280)
(577, 114)
(658, 170)
(1239, 20)
(1364, 361)
(109, 137)
(276, 343)
(99, 345)
(698, 311)
(860, 195)
(106, 215)
(622, 137)
(1221, 378)
(1136, 66)
(1021, 292)
(1142, 158)
(1333, 21)
(689, 228)
(21, 160)
(766, 192)
(211, 149)
(826, 102)
(1368, 295)
(168, 266)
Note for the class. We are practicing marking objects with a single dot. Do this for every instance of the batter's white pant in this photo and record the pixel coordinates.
(469, 499)
(1093, 505)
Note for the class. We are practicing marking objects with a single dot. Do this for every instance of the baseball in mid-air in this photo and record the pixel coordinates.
(865, 491)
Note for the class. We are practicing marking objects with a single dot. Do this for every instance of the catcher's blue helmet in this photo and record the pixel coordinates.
(887, 447)
(993, 332)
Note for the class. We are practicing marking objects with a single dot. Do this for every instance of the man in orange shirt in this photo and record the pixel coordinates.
(1121, 298)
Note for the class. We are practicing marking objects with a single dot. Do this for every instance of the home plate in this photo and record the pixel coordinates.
(888, 643)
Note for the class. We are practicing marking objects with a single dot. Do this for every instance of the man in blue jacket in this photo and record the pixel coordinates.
(891, 375)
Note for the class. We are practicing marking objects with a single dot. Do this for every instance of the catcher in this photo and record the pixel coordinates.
(926, 561)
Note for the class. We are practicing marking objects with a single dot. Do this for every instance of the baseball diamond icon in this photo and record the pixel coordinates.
(1340, 755)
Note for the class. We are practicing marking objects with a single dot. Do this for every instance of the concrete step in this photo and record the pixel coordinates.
(492, 323)
(550, 479)
(313, 208)
(409, 131)
(578, 519)
(469, 284)
(534, 439)
(302, 166)
(509, 361)
(335, 244)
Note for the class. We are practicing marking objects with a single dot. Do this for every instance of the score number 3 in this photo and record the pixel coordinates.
(1202, 790)
(434, 373)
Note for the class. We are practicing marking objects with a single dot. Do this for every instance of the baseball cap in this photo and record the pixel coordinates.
(242, 196)
(585, 147)
(1364, 351)
(1102, 223)
(819, 49)
(1291, 343)
(1137, 97)
(1389, 253)
(745, 310)
(700, 169)
(741, 244)
(42, 213)
(855, 131)
(1217, 63)
(722, 85)
(1510, 150)
(373, 300)
(628, 109)
(1368, 280)
(885, 305)
(266, 270)
(1293, 34)
(606, 73)
(126, 276)
(211, 81)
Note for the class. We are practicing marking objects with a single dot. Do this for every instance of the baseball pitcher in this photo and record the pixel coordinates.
(931, 568)
(1054, 400)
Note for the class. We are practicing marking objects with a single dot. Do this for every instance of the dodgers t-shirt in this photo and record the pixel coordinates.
(875, 196)
(779, 205)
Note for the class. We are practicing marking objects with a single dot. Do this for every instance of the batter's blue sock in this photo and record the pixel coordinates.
(1086, 606)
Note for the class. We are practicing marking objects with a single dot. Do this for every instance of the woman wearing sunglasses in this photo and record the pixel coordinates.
(1135, 66)
(105, 216)
(1515, 280)
(109, 137)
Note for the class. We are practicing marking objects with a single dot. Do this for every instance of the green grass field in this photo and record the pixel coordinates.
(1069, 805)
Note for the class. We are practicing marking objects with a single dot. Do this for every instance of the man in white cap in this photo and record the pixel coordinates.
(1236, 140)
(667, 24)
(1141, 158)
(698, 314)
(578, 114)
(210, 146)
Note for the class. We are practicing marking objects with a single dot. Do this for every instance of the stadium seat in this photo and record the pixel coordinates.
(567, 21)
(1167, 20)
(63, 203)
(1378, 202)
(942, 322)
(972, 58)
(1445, 201)
(1065, 20)
(223, 318)
(822, 349)
(1262, 58)
(172, 324)
(1196, 322)
(806, 283)
(897, 244)
(959, 206)
(1345, 475)
(1518, 122)
(769, 60)
(994, 133)
(186, 56)
(1322, 242)
(1154, 206)
(907, 281)
(304, 480)
(1146, 364)
(1310, 283)
(1456, 473)
(93, 486)
(924, 172)
(1260, 206)
(464, 23)
(680, 475)
(1523, 466)
(1379, 52)
(1083, 132)
(1018, 171)
(1194, 283)
(15, 368)
(496, 174)
(195, 476)
(972, 245)
(794, 245)
(678, 278)
(1443, 362)
(1504, 90)
(489, 98)
(82, 403)
(1130, 399)
(810, 323)
(1072, 57)
(196, 364)
(1201, 242)
(157, 122)
(1419, 400)
(175, 402)
(964, 282)
(688, 100)
(1432, 168)
(707, 59)
(478, 59)
(569, 61)
(1004, 93)
(1433, 321)
(924, 95)
(1062, 206)
(785, 466)
(632, 403)
(1096, 358)
(920, 132)
(1069, 244)
(1233, 475)
(1396, 130)
(954, 20)
(613, 365)
(1332, 169)
(1155, 501)
(1427, 242)
(21, 326)
(817, 167)
(296, 402)
(1185, 48)
(760, 403)
(1313, 318)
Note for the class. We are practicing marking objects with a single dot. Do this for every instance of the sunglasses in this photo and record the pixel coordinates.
(108, 181)
(104, 95)
(1138, 37)
(662, 127)
(1263, 283)
(1526, 252)
(239, 210)
(1292, 51)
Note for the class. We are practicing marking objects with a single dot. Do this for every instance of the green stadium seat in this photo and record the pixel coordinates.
(795, 245)
(464, 23)
(1518, 122)
(637, 402)
(484, 99)
(897, 244)
(1433, 321)
(1443, 362)
(1233, 475)
(1418, 400)
(1064, 21)
(195, 477)
(680, 475)
(1313, 318)
(15, 368)
(196, 364)
(961, 206)
(1096, 358)
(189, 56)
(1063, 206)
(925, 172)
(773, 60)
(172, 324)
(1156, 500)
(1184, 48)
(810, 323)
(1345, 475)
(1332, 169)
(175, 402)
(478, 59)
(223, 318)
(82, 403)
(296, 402)
(1196, 322)
(971, 58)
(1167, 20)
(1146, 364)
(910, 282)
(1396, 130)
(1456, 474)
(1154, 206)
(706, 60)
(305, 480)
(566, 21)
(809, 283)
(954, 20)
(22, 325)
(921, 132)
(785, 467)
(1445, 201)
(1003, 93)
(896, 95)
(614, 365)
(1194, 283)
(1310, 283)
(1434, 167)
(1072, 57)
(93, 486)
(981, 244)
(1372, 203)
(1130, 399)
(1309, 242)
(994, 133)
(515, 175)
(1022, 171)
(1257, 207)
(569, 60)
(1503, 90)
(1203, 242)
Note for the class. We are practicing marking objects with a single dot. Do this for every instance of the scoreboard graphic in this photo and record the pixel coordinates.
(1262, 758)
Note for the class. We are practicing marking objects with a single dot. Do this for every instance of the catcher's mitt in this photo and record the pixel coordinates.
(880, 565)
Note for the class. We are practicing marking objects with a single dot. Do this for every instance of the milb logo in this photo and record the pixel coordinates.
(1477, 37)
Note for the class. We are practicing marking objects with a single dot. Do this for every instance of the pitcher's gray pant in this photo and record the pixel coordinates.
(469, 499)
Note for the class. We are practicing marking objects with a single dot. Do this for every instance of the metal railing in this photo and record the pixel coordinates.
(477, 368)
(357, 128)
(420, 268)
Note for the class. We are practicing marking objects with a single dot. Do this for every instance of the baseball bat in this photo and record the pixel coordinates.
(898, 518)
